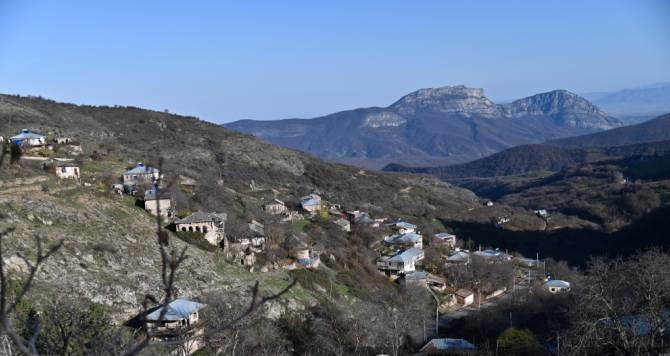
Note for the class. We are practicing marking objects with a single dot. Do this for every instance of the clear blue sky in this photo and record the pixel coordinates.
(224, 61)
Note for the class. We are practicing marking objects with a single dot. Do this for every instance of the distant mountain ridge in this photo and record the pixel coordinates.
(650, 100)
(648, 138)
(434, 126)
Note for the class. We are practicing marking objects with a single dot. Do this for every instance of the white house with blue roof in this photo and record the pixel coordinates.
(311, 203)
(402, 226)
(401, 263)
(28, 138)
(557, 286)
(141, 173)
(175, 324)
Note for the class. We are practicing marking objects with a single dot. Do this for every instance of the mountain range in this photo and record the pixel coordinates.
(647, 138)
(434, 126)
(634, 104)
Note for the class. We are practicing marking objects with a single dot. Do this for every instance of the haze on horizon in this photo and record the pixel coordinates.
(224, 61)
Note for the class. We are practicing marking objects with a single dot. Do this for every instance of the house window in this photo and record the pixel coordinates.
(197, 228)
(190, 228)
(183, 228)
(204, 229)
(63, 170)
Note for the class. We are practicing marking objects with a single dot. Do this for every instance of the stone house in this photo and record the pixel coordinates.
(211, 225)
(444, 239)
(344, 224)
(307, 254)
(66, 170)
(275, 207)
(159, 204)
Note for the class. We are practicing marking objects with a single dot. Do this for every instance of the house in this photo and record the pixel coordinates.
(447, 346)
(344, 224)
(306, 253)
(423, 278)
(541, 213)
(187, 182)
(402, 227)
(28, 139)
(212, 225)
(459, 258)
(400, 263)
(361, 218)
(275, 207)
(246, 257)
(444, 239)
(311, 203)
(493, 255)
(62, 140)
(557, 286)
(65, 170)
(464, 297)
(255, 236)
(176, 324)
(409, 239)
(158, 203)
(140, 174)
(488, 203)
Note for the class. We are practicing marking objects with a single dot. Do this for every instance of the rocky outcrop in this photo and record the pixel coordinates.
(450, 99)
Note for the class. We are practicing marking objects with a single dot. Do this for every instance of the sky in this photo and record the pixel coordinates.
(224, 61)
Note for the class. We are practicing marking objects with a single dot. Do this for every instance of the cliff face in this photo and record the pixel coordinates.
(434, 126)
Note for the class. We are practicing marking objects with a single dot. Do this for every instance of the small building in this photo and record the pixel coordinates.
(344, 224)
(447, 346)
(275, 207)
(28, 139)
(66, 170)
(408, 240)
(140, 174)
(176, 324)
(311, 203)
(464, 297)
(444, 239)
(557, 286)
(211, 225)
(307, 254)
(488, 203)
(425, 279)
(400, 263)
(459, 258)
(158, 204)
(402, 227)
(493, 255)
(253, 237)
(541, 213)
(63, 140)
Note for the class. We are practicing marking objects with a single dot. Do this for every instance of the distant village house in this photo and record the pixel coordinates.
(158, 204)
(28, 139)
(444, 239)
(311, 203)
(66, 170)
(275, 207)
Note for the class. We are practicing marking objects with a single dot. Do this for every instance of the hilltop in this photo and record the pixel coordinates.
(434, 126)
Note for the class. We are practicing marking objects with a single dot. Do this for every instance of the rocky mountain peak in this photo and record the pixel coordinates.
(448, 99)
(564, 106)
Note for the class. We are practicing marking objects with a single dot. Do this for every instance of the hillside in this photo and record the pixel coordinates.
(109, 254)
(434, 127)
(657, 129)
(526, 159)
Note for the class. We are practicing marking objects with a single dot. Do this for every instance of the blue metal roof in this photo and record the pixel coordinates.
(178, 309)
(448, 344)
(26, 135)
(410, 237)
(142, 169)
(445, 236)
(557, 283)
(407, 255)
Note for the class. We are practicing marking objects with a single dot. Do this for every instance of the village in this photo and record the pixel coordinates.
(460, 276)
